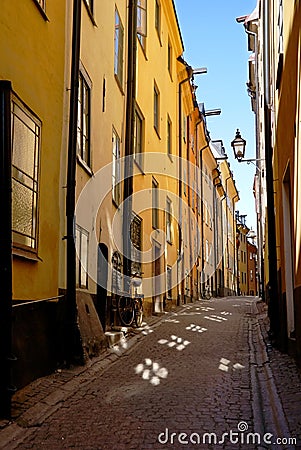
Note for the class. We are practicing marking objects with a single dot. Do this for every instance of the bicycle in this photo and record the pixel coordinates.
(130, 309)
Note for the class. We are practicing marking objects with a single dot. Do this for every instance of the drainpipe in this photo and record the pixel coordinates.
(202, 216)
(259, 224)
(226, 182)
(234, 242)
(180, 256)
(129, 141)
(273, 299)
(198, 202)
(73, 350)
(222, 242)
(6, 250)
(215, 228)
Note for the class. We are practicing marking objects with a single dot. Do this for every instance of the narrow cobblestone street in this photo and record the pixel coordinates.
(205, 368)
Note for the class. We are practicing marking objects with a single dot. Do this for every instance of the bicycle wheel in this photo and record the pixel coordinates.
(138, 312)
(125, 310)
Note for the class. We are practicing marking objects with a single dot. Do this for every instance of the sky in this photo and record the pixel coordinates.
(212, 38)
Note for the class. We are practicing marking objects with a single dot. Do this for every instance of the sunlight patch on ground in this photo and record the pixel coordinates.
(151, 371)
(175, 341)
(196, 328)
(215, 318)
(147, 330)
(224, 365)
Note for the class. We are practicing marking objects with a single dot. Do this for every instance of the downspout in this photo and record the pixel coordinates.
(6, 250)
(202, 216)
(259, 224)
(73, 350)
(215, 228)
(226, 182)
(129, 142)
(181, 283)
(234, 242)
(198, 202)
(273, 300)
(222, 238)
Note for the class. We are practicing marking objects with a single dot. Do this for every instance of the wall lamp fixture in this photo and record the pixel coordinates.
(239, 147)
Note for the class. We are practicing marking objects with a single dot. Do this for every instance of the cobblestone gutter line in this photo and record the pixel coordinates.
(268, 412)
(287, 378)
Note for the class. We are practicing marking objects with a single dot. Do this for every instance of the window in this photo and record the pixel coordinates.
(116, 168)
(83, 119)
(138, 138)
(156, 108)
(184, 128)
(42, 3)
(169, 58)
(158, 17)
(82, 242)
(26, 135)
(168, 220)
(141, 22)
(169, 281)
(280, 27)
(155, 204)
(136, 240)
(169, 136)
(116, 273)
(207, 251)
(118, 48)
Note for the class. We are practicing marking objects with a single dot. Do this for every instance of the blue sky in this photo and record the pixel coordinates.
(213, 39)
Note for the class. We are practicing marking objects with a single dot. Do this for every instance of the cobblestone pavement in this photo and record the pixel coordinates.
(202, 369)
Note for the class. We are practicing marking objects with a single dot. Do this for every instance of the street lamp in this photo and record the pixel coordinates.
(239, 146)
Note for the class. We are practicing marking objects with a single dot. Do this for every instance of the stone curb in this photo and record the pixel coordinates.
(268, 411)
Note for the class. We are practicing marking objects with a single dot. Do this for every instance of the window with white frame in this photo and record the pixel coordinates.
(136, 240)
(280, 26)
(116, 178)
(142, 21)
(118, 48)
(42, 4)
(156, 108)
(158, 17)
(83, 118)
(169, 58)
(207, 251)
(26, 136)
(138, 138)
(169, 281)
(155, 203)
(169, 136)
(168, 219)
(82, 243)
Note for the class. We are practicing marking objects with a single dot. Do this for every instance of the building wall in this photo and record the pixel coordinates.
(286, 132)
(36, 69)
